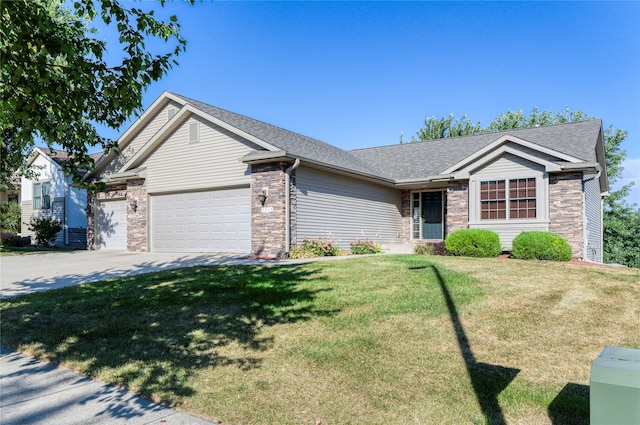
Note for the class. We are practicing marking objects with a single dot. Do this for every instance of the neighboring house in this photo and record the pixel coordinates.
(50, 194)
(195, 178)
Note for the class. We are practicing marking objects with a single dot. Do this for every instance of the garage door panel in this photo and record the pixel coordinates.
(211, 221)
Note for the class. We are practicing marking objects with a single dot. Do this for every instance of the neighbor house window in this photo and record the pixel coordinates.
(42, 196)
(498, 203)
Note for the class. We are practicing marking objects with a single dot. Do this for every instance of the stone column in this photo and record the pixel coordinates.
(406, 217)
(268, 220)
(137, 216)
(91, 229)
(457, 216)
(565, 210)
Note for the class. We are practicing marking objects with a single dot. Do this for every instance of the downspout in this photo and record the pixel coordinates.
(287, 207)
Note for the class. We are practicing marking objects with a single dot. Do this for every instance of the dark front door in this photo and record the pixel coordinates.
(432, 215)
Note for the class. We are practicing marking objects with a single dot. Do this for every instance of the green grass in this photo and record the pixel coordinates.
(6, 251)
(392, 339)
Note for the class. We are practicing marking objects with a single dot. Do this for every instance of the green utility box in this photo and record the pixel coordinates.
(615, 387)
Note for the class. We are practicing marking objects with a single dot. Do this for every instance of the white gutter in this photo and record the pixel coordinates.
(287, 206)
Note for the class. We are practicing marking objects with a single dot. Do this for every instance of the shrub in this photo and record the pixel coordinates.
(10, 217)
(8, 238)
(365, 246)
(430, 248)
(45, 230)
(473, 243)
(311, 248)
(541, 246)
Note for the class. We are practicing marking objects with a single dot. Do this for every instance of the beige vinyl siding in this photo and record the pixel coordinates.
(509, 166)
(212, 162)
(155, 124)
(344, 209)
(26, 210)
(593, 215)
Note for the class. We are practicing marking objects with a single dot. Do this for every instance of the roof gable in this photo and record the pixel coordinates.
(554, 147)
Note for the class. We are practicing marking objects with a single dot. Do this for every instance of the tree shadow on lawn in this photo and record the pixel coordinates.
(154, 330)
(487, 380)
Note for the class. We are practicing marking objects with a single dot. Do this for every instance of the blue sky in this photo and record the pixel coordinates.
(360, 74)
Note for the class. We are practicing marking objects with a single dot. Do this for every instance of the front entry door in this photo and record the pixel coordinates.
(432, 215)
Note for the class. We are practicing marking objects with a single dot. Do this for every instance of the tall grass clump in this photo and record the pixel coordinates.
(473, 243)
(536, 245)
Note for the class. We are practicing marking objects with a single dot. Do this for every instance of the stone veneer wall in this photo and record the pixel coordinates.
(565, 210)
(137, 220)
(406, 216)
(268, 221)
(457, 216)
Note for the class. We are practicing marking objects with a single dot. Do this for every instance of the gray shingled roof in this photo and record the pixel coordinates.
(294, 144)
(423, 159)
(409, 160)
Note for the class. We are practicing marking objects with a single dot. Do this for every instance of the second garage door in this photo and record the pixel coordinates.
(211, 221)
(112, 225)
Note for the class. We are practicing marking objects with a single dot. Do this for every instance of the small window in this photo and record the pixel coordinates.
(194, 132)
(170, 113)
(496, 203)
(42, 196)
(493, 205)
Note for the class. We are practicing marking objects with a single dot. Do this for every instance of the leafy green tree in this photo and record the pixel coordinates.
(56, 84)
(439, 128)
(621, 221)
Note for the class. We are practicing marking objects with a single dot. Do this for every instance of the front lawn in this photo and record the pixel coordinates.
(386, 339)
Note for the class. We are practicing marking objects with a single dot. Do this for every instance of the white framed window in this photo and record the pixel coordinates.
(508, 199)
(42, 196)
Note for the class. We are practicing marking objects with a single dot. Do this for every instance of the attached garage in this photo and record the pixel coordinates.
(112, 225)
(206, 221)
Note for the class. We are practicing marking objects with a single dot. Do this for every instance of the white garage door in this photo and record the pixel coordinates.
(112, 225)
(211, 221)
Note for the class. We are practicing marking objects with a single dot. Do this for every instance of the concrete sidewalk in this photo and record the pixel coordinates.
(32, 392)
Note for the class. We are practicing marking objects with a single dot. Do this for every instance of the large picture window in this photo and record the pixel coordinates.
(498, 203)
(42, 196)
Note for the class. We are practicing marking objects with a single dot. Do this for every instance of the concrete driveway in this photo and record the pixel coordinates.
(23, 274)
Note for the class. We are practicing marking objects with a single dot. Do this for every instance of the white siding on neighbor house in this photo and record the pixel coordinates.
(207, 221)
(76, 204)
(509, 166)
(344, 209)
(155, 124)
(211, 162)
(26, 210)
(593, 216)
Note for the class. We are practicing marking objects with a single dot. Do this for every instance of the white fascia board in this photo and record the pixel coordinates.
(262, 156)
(471, 159)
(234, 130)
(429, 179)
(466, 171)
(142, 120)
(36, 152)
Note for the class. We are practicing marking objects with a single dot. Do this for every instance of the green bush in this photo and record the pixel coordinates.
(8, 238)
(541, 246)
(365, 246)
(45, 229)
(10, 217)
(311, 248)
(430, 248)
(473, 243)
